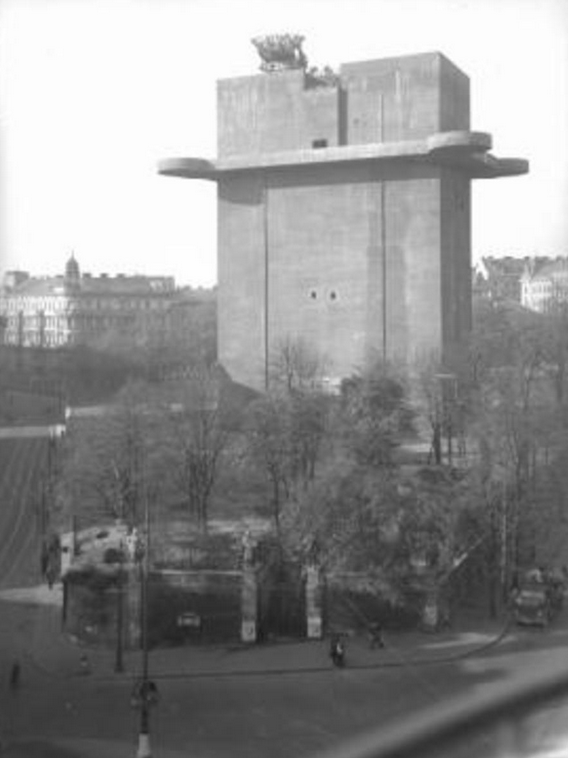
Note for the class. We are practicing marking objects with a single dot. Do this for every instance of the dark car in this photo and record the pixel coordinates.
(533, 606)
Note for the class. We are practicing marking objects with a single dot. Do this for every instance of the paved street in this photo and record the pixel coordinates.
(22, 462)
(217, 702)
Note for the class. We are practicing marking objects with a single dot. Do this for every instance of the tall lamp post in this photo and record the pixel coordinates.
(119, 664)
(146, 693)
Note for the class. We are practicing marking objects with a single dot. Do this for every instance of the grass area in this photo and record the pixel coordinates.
(23, 465)
(19, 408)
(240, 490)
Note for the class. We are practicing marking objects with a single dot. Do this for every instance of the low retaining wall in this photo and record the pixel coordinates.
(194, 606)
(206, 606)
(183, 607)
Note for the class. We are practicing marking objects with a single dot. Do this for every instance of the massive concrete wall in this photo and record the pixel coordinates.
(357, 259)
(413, 264)
(389, 99)
(357, 262)
(241, 299)
(273, 112)
(394, 99)
(455, 264)
(318, 235)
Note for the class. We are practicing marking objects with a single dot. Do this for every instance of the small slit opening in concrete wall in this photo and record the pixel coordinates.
(317, 143)
(313, 295)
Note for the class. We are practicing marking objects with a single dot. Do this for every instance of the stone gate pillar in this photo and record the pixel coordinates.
(249, 592)
(131, 600)
(314, 623)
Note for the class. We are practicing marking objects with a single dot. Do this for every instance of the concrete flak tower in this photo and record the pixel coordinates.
(344, 209)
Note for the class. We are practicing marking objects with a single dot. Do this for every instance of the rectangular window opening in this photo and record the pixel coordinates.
(316, 143)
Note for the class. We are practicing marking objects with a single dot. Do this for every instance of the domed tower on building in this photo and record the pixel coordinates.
(72, 273)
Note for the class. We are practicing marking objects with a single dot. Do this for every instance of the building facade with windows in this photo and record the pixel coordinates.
(79, 309)
(499, 278)
(546, 285)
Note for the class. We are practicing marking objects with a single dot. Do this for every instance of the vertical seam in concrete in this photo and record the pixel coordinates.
(266, 251)
(384, 271)
(383, 232)
(444, 272)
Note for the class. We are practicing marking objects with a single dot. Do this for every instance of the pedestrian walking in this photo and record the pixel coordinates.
(50, 576)
(337, 651)
(15, 676)
(376, 635)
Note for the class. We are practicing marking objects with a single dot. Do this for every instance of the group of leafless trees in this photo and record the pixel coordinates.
(517, 409)
(154, 442)
(336, 480)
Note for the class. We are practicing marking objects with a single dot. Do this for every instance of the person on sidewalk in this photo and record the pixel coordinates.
(337, 650)
(50, 576)
(376, 635)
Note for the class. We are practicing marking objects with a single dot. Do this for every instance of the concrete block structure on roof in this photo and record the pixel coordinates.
(344, 213)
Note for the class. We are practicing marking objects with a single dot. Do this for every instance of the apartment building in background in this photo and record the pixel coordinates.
(544, 284)
(80, 309)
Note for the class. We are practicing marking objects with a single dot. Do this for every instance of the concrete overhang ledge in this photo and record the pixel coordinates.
(466, 151)
(188, 168)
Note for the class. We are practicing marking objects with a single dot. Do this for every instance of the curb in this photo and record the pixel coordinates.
(321, 669)
(412, 659)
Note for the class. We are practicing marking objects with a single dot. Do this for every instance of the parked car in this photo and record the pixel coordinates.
(540, 596)
(533, 606)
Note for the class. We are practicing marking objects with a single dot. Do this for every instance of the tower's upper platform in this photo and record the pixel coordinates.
(409, 108)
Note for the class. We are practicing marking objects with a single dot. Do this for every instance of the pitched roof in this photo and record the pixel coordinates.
(556, 269)
(100, 286)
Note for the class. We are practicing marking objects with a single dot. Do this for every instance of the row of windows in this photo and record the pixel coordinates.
(33, 305)
(537, 287)
(36, 320)
(32, 339)
(30, 328)
(51, 305)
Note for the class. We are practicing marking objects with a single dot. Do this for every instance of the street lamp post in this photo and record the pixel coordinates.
(147, 690)
(119, 664)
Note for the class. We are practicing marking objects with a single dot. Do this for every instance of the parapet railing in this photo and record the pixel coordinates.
(491, 724)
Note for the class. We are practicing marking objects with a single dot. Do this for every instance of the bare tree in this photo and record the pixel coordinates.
(197, 439)
(374, 413)
(106, 459)
(270, 447)
(295, 365)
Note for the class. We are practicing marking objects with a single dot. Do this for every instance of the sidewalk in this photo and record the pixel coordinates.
(311, 656)
(78, 749)
(54, 654)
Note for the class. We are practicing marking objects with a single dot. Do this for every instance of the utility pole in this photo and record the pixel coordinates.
(74, 528)
(147, 690)
(119, 664)
(505, 527)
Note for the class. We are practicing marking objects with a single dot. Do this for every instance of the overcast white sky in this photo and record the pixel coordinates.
(94, 92)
